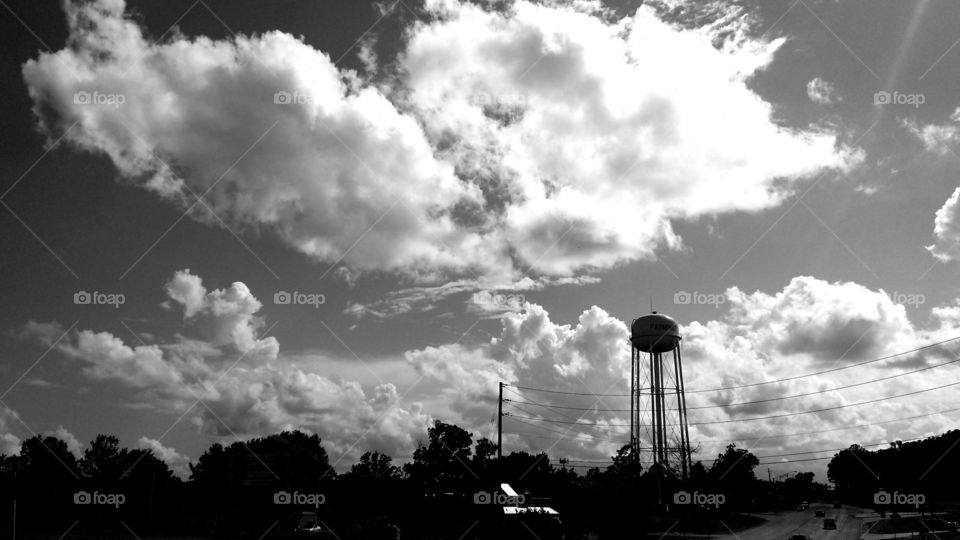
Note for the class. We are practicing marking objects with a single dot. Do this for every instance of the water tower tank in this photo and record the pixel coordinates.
(655, 333)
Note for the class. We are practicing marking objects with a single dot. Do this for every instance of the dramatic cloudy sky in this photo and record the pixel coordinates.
(452, 194)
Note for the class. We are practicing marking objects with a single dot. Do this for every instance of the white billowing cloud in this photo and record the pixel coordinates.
(331, 162)
(553, 141)
(533, 351)
(73, 444)
(178, 463)
(809, 326)
(11, 432)
(589, 138)
(226, 316)
(825, 321)
(107, 357)
(248, 388)
(946, 230)
(822, 92)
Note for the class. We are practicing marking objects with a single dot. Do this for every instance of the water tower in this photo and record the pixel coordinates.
(658, 406)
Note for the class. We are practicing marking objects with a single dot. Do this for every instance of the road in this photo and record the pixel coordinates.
(788, 523)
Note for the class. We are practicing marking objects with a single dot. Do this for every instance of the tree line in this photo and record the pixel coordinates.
(271, 486)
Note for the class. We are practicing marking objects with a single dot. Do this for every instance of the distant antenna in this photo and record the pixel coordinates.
(651, 304)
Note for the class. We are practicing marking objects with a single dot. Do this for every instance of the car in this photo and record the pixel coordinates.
(819, 513)
(801, 507)
(829, 523)
(315, 532)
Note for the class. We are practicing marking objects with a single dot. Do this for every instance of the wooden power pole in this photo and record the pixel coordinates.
(500, 426)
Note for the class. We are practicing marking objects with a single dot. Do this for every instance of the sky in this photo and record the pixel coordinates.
(225, 219)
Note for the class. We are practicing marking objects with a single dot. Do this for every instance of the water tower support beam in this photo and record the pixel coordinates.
(633, 393)
(681, 412)
(685, 427)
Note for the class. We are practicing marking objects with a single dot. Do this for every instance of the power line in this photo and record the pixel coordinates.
(735, 420)
(844, 387)
(794, 460)
(871, 445)
(597, 437)
(734, 404)
(777, 436)
(843, 428)
(735, 387)
(595, 409)
(826, 408)
(565, 422)
(568, 393)
(882, 358)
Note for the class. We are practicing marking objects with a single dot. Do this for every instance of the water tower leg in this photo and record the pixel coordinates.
(681, 410)
(685, 425)
(633, 393)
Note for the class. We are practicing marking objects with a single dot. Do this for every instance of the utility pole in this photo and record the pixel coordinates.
(500, 426)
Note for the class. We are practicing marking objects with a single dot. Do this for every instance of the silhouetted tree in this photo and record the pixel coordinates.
(626, 468)
(733, 474)
(236, 484)
(45, 477)
(375, 466)
(484, 461)
(444, 463)
(853, 471)
(734, 466)
(698, 473)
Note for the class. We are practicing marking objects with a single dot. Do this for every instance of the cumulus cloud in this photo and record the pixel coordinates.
(552, 141)
(736, 366)
(11, 432)
(824, 321)
(946, 230)
(73, 444)
(246, 386)
(272, 133)
(178, 463)
(809, 326)
(587, 145)
(822, 92)
(225, 316)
